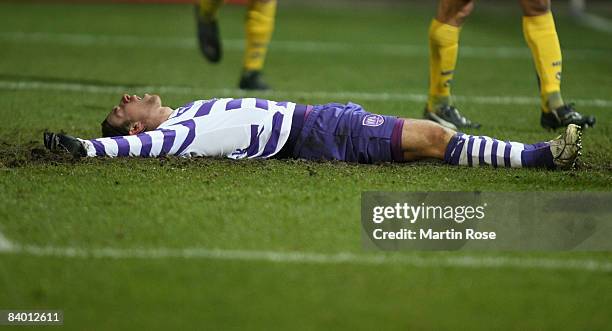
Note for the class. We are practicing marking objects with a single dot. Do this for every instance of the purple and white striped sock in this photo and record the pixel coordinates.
(475, 151)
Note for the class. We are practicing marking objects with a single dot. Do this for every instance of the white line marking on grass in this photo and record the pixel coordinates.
(331, 96)
(595, 22)
(86, 40)
(464, 261)
(5, 244)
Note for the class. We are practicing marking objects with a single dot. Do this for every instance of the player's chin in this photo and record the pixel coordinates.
(153, 99)
(157, 99)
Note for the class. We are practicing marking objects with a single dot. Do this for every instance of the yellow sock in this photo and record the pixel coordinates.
(541, 36)
(443, 49)
(259, 27)
(209, 9)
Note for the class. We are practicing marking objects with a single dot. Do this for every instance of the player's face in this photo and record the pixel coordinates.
(132, 108)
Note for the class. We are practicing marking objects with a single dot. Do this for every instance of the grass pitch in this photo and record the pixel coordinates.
(215, 244)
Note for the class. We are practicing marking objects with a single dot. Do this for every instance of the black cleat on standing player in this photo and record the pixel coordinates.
(252, 80)
(208, 37)
(564, 116)
(449, 116)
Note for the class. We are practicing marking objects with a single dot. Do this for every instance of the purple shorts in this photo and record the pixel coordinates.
(348, 133)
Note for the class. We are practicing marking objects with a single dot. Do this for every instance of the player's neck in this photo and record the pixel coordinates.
(161, 116)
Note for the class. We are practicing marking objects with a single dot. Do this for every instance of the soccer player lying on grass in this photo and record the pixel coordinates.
(257, 128)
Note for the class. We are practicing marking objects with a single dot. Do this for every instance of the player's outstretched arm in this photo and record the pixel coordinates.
(64, 143)
(148, 144)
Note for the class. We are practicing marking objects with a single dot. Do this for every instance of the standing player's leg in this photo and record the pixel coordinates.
(259, 28)
(424, 139)
(208, 29)
(541, 36)
(443, 49)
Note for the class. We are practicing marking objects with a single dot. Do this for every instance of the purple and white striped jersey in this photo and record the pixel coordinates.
(234, 128)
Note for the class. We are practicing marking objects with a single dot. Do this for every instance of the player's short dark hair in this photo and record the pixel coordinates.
(110, 131)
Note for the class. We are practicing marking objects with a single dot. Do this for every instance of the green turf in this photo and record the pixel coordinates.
(273, 205)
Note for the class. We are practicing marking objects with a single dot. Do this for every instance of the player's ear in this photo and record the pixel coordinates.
(136, 128)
